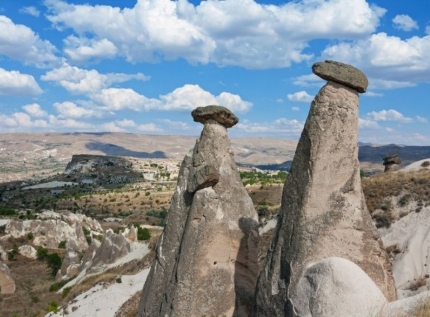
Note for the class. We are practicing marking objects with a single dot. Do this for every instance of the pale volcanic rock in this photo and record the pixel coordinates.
(207, 256)
(218, 113)
(341, 73)
(28, 251)
(3, 254)
(70, 265)
(130, 234)
(113, 247)
(323, 211)
(337, 287)
(7, 283)
(49, 233)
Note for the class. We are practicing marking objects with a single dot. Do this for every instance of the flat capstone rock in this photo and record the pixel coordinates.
(341, 73)
(218, 113)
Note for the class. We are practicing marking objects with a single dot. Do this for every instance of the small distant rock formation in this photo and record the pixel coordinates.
(7, 283)
(28, 251)
(113, 247)
(69, 266)
(323, 211)
(392, 163)
(207, 257)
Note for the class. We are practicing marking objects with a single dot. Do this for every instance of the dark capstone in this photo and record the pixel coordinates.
(341, 73)
(218, 113)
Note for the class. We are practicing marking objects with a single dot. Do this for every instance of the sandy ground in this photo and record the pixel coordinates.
(101, 301)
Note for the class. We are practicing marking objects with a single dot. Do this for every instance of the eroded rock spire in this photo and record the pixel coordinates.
(323, 211)
(206, 261)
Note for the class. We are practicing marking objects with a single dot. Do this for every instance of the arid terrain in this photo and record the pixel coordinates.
(38, 155)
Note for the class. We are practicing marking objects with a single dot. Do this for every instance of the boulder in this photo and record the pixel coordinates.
(323, 212)
(7, 283)
(341, 73)
(218, 113)
(337, 287)
(28, 251)
(207, 257)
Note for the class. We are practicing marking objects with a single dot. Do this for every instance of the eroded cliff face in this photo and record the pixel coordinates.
(206, 262)
(323, 211)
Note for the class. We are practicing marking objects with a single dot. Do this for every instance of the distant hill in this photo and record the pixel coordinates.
(37, 155)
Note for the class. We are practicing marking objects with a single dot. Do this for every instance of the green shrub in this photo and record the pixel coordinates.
(53, 307)
(7, 211)
(118, 279)
(30, 236)
(143, 234)
(62, 244)
(42, 253)
(66, 291)
(54, 262)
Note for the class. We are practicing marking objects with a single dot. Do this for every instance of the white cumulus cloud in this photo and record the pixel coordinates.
(385, 58)
(388, 115)
(229, 32)
(69, 109)
(82, 49)
(83, 81)
(30, 10)
(186, 97)
(404, 22)
(14, 83)
(35, 110)
(300, 96)
(19, 42)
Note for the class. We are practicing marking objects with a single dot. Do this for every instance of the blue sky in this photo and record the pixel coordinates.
(144, 65)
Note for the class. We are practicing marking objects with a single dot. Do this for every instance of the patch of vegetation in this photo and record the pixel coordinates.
(54, 262)
(66, 291)
(7, 211)
(251, 178)
(53, 307)
(30, 236)
(41, 253)
(11, 255)
(62, 244)
(57, 285)
(143, 234)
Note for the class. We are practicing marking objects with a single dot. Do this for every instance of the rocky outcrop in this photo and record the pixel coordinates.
(7, 283)
(52, 228)
(113, 247)
(408, 240)
(323, 211)
(69, 266)
(28, 251)
(49, 233)
(392, 163)
(337, 287)
(206, 261)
